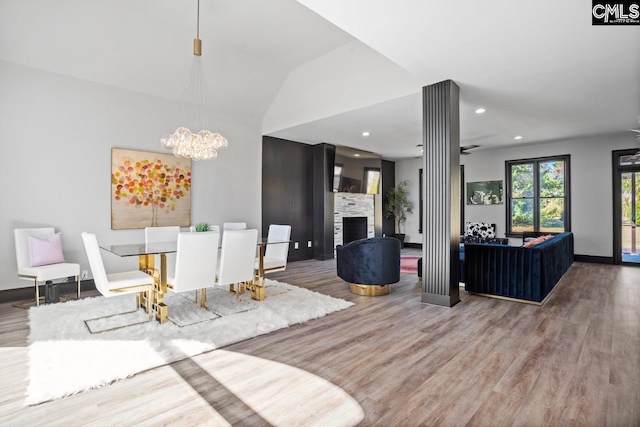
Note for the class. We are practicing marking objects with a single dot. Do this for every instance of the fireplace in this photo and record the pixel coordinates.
(354, 228)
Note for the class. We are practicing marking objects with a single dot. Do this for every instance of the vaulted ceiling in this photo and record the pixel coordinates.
(326, 70)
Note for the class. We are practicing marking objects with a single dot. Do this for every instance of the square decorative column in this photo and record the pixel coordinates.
(441, 162)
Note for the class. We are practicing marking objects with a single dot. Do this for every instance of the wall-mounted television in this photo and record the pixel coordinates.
(356, 171)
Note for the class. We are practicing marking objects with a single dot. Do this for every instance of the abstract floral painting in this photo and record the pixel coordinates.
(149, 189)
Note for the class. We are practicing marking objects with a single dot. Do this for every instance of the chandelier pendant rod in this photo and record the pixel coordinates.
(197, 43)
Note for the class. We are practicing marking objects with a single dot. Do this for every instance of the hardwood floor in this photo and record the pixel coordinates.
(484, 362)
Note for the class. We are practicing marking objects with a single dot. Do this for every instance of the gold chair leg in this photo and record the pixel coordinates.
(203, 298)
(149, 307)
(37, 293)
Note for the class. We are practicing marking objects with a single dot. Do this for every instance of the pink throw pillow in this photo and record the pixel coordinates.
(44, 251)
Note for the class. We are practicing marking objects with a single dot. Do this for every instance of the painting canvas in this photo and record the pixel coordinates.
(484, 193)
(149, 189)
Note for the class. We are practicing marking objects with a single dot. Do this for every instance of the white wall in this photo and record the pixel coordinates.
(591, 187)
(56, 134)
(408, 170)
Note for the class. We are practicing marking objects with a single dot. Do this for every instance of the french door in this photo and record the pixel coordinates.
(626, 207)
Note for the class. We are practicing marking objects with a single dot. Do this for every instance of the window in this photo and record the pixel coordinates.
(371, 180)
(538, 196)
(337, 175)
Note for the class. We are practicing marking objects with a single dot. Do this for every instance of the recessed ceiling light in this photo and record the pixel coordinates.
(365, 133)
(518, 137)
(356, 155)
(480, 110)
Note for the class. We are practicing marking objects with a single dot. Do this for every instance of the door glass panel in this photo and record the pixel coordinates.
(630, 207)
(522, 215)
(552, 215)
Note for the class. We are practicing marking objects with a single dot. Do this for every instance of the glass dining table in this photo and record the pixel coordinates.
(146, 262)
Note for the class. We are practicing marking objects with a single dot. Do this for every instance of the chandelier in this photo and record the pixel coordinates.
(637, 155)
(202, 145)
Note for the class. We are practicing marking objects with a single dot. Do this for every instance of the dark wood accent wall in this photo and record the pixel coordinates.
(324, 156)
(441, 163)
(388, 181)
(287, 191)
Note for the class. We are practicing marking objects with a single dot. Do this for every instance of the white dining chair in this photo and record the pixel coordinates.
(113, 284)
(234, 226)
(161, 235)
(41, 273)
(275, 254)
(196, 263)
(237, 259)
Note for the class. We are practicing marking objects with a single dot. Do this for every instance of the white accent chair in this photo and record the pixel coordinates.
(161, 235)
(275, 254)
(234, 226)
(41, 273)
(117, 283)
(237, 259)
(196, 263)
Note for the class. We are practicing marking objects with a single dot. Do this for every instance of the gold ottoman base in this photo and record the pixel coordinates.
(370, 290)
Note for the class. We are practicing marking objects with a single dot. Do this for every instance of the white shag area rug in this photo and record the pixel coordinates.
(65, 358)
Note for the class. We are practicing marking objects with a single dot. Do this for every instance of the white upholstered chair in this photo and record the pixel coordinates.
(161, 235)
(275, 254)
(113, 284)
(196, 263)
(237, 259)
(42, 273)
(234, 226)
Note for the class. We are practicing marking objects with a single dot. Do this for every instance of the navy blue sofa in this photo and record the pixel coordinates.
(516, 272)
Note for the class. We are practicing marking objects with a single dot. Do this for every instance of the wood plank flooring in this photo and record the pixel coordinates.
(485, 362)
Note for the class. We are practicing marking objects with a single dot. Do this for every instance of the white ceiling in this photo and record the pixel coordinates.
(540, 68)
(249, 46)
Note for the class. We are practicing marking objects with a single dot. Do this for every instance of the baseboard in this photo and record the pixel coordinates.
(20, 294)
(413, 245)
(593, 259)
(294, 258)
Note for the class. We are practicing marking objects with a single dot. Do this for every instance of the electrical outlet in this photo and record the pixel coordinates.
(84, 274)
(295, 245)
(309, 244)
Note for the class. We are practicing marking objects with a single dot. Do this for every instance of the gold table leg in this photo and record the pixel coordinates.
(147, 264)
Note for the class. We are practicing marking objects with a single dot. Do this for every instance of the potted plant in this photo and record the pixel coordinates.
(203, 227)
(399, 205)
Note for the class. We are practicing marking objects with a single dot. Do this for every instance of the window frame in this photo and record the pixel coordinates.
(566, 158)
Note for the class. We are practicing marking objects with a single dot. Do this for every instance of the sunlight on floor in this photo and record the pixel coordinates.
(281, 394)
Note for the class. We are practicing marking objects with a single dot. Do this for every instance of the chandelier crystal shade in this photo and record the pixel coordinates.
(202, 145)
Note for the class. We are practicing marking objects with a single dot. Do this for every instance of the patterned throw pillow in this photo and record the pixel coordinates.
(470, 239)
(497, 240)
(480, 229)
